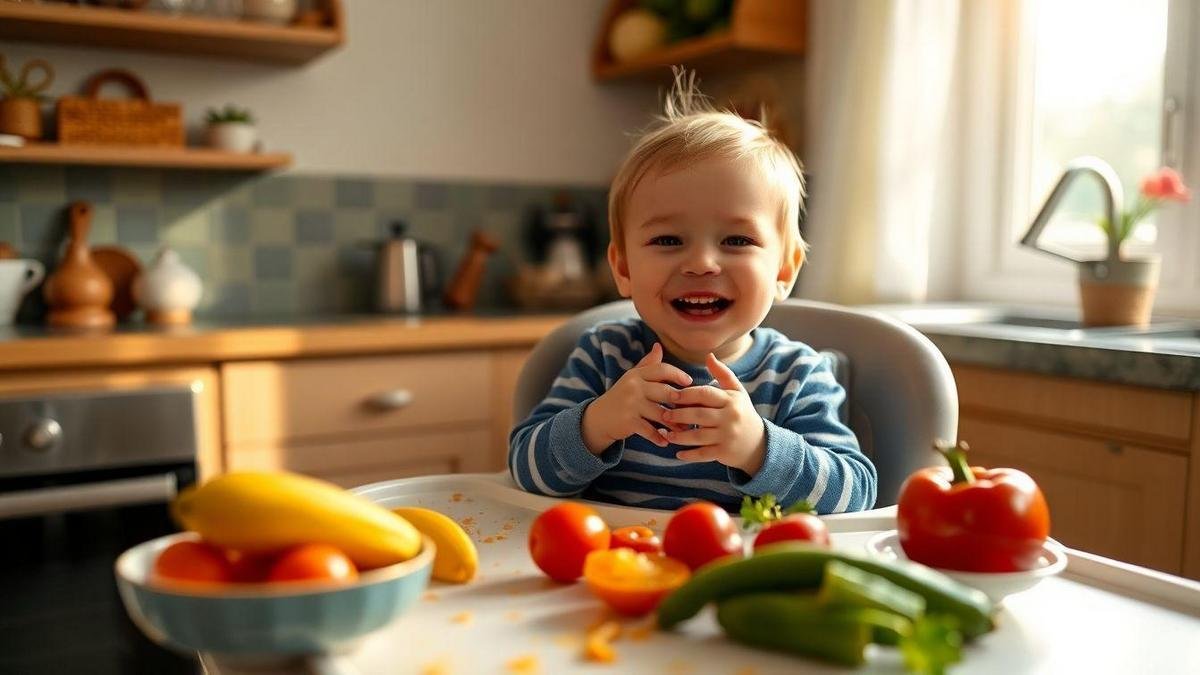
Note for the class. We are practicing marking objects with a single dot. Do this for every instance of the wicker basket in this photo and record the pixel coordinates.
(91, 120)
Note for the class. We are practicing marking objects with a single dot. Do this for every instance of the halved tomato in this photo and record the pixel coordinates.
(633, 583)
(637, 537)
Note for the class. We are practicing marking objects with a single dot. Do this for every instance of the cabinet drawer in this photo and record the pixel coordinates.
(1140, 413)
(1110, 498)
(282, 400)
(367, 461)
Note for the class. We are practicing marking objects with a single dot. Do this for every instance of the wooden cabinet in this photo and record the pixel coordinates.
(355, 420)
(1114, 461)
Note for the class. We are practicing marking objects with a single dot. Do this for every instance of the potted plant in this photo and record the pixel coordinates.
(20, 108)
(1119, 289)
(232, 129)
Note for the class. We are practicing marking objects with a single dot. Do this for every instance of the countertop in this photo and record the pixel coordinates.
(1110, 355)
(26, 348)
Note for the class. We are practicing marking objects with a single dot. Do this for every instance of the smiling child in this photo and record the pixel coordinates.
(694, 400)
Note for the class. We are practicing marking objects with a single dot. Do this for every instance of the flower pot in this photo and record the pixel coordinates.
(21, 117)
(1118, 292)
(233, 136)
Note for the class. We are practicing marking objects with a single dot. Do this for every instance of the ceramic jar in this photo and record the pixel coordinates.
(17, 277)
(269, 11)
(233, 136)
(168, 290)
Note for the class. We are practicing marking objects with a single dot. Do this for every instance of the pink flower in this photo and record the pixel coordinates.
(1166, 183)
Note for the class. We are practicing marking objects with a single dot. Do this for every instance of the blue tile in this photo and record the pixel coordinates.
(353, 261)
(272, 191)
(137, 224)
(195, 257)
(354, 193)
(234, 225)
(272, 262)
(42, 227)
(432, 196)
(314, 226)
(10, 230)
(503, 197)
(231, 299)
(93, 184)
(8, 183)
(187, 188)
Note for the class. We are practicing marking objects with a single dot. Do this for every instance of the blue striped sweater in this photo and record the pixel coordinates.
(810, 453)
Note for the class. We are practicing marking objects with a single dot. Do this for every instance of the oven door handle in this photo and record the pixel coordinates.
(123, 492)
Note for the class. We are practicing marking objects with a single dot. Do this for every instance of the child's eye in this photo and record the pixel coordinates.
(738, 240)
(665, 240)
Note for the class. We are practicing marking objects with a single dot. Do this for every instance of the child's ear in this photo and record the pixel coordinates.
(620, 270)
(788, 271)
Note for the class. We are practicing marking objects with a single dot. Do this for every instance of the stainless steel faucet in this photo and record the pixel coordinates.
(1110, 185)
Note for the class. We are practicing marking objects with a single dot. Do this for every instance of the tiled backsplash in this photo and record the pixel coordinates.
(273, 244)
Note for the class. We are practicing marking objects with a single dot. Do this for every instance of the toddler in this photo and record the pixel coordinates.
(694, 400)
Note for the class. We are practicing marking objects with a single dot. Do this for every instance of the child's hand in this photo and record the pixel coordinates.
(627, 409)
(731, 430)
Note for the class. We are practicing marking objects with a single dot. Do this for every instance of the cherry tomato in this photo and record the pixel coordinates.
(313, 562)
(249, 568)
(633, 583)
(794, 527)
(637, 537)
(194, 562)
(700, 533)
(563, 535)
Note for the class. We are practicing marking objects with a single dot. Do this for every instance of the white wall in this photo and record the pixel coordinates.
(474, 89)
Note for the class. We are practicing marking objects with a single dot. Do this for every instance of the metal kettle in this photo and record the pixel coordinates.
(408, 275)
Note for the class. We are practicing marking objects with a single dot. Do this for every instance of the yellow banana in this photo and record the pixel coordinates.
(259, 512)
(456, 559)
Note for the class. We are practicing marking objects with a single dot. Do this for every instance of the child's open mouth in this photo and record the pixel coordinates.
(701, 306)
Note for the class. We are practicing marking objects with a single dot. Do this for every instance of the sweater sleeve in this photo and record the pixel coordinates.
(546, 452)
(810, 453)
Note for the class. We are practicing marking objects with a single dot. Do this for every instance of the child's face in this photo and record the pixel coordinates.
(703, 258)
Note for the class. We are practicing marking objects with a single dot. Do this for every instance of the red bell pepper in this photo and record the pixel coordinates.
(970, 518)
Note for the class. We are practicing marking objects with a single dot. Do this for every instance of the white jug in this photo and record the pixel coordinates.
(17, 277)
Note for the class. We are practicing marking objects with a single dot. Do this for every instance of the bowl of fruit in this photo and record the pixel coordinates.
(273, 565)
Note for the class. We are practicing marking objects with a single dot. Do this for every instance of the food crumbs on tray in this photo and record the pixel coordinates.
(456, 497)
(430, 596)
(512, 616)
(462, 617)
(598, 644)
(651, 523)
(679, 667)
(489, 540)
(509, 525)
(439, 667)
(568, 640)
(501, 537)
(525, 665)
(640, 633)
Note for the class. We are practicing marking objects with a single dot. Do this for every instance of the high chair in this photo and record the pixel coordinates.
(900, 391)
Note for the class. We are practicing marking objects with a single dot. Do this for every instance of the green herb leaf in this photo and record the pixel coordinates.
(934, 644)
(766, 509)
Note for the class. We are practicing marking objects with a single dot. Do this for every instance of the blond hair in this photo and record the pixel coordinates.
(692, 129)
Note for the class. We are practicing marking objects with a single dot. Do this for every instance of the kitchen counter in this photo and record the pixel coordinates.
(26, 348)
(1043, 342)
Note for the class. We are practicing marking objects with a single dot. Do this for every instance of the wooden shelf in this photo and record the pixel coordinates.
(163, 158)
(758, 30)
(150, 31)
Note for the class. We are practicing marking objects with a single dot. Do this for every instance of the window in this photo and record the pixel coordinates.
(1064, 78)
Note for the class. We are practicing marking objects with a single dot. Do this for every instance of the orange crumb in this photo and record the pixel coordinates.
(456, 497)
(439, 667)
(462, 617)
(430, 596)
(501, 537)
(512, 616)
(469, 520)
(652, 522)
(643, 632)
(598, 644)
(489, 540)
(526, 665)
(510, 525)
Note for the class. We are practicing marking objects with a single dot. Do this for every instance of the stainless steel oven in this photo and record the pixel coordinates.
(83, 476)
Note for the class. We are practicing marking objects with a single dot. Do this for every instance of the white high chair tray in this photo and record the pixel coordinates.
(1098, 616)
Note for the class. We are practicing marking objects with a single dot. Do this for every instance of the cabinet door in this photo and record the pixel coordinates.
(1109, 498)
(358, 462)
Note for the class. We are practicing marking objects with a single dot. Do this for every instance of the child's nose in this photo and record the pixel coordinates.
(701, 261)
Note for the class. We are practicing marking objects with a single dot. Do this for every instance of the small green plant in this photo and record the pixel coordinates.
(230, 114)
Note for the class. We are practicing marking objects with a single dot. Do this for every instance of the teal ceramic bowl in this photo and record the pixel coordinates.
(265, 621)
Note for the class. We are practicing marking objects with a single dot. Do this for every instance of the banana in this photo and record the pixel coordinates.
(456, 559)
(259, 512)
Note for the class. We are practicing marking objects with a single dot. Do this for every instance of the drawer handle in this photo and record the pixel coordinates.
(390, 400)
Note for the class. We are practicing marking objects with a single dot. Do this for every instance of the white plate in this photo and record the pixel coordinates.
(997, 585)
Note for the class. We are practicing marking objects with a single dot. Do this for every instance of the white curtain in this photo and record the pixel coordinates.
(881, 129)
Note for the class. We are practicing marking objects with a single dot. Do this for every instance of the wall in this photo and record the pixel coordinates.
(451, 115)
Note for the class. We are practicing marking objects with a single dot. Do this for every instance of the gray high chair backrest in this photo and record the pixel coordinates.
(901, 392)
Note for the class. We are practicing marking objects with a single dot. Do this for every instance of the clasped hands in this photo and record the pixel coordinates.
(718, 424)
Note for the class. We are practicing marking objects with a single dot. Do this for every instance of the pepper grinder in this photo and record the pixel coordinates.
(464, 287)
(79, 292)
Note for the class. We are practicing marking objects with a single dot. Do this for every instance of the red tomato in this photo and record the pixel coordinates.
(249, 568)
(313, 562)
(193, 561)
(563, 535)
(794, 527)
(633, 583)
(637, 537)
(700, 533)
